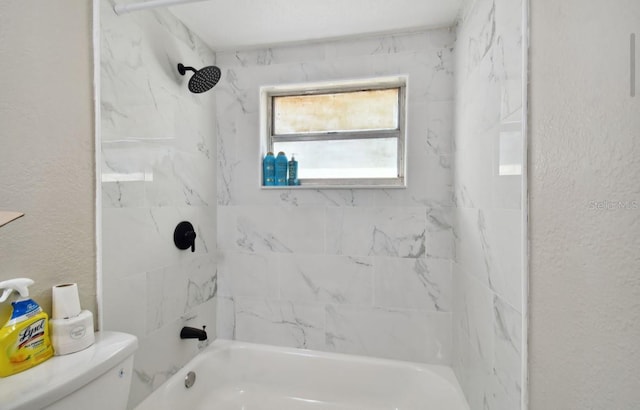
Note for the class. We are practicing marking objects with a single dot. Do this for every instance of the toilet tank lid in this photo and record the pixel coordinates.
(59, 376)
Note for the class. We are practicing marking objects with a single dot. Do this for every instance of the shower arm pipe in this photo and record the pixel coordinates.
(146, 5)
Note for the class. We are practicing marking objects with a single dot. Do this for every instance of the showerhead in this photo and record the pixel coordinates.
(203, 79)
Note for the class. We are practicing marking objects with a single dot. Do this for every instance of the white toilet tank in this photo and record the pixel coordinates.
(97, 378)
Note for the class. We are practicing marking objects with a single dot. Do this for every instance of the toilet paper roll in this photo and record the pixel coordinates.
(65, 300)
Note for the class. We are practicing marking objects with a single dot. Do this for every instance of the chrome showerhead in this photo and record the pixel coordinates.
(203, 79)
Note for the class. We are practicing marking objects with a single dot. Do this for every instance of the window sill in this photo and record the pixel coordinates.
(400, 184)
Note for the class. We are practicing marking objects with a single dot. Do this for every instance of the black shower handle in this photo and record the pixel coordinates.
(184, 236)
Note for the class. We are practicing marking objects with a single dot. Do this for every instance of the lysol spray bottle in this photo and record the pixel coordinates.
(24, 336)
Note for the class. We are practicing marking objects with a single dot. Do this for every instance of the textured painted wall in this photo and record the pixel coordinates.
(364, 271)
(488, 269)
(585, 206)
(47, 146)
(158, 169)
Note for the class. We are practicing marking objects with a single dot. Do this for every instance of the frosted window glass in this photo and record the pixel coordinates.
(364, 158)
(346, 111)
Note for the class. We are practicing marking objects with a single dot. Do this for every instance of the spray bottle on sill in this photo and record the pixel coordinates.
(24, 336)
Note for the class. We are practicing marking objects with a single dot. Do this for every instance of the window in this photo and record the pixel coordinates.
(341, 133)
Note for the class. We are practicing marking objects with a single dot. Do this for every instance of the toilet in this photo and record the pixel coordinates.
(97, 378)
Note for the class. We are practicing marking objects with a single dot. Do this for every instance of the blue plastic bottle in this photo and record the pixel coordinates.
(269, 170)
(293, 172)
(281, 169)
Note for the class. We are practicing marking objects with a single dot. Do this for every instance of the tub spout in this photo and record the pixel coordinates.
(193, 333)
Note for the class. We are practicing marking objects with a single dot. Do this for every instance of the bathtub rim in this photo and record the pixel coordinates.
(444, 372)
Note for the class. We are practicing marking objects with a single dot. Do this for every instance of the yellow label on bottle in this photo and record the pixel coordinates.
(24, 345)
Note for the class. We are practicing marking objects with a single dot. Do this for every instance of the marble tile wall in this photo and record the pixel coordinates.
(488, 216)
(364, 271)
(158, 168)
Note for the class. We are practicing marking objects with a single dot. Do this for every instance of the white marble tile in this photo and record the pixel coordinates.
(174, 291)
(193, 179)
(258, 229)
(440, 234)
(405, 283)
(507, 380)
(162, 353)
(395, 334)
(470, 254)
(476, 167)
(202, 281)
(489, 248)
(136, 240)
(276, 229)
(166, 296)
(439, 123)
(502, 240)
(475, 305)
(248, 274)
(226, 318)
(125, 304)
(376, 231)
(158, 168)
(326, 279)
(123, 194)
(279, 323)
(327, 197)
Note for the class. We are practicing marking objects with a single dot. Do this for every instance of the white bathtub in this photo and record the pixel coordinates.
(244, 376)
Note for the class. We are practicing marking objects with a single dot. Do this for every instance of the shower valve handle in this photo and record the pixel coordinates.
(184, 236)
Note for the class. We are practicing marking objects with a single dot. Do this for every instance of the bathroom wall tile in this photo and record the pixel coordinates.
(193, 176)
(502, 241)
(273, 229)
(202, 281)
(440, 234)
(507, 356)
(279, 323)
(470, 253)
(326, 279)
(132, 235)
(325, 240)
(166, 296)
(326, 197)
(248, 274)
(257, 229)
(287, 54)
(395, 334)
(476, 168)
(226, 318)
(489, 248)
(376, 45)
(488, 270)
(174, 291)
(439, 124)
(158, 163)
(474, 314)
(123, 302)
(376, 231)
(404, 283)
(163, 353)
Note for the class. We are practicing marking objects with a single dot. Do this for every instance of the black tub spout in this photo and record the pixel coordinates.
(193, 333)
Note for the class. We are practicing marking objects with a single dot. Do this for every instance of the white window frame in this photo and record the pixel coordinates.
(267, 137)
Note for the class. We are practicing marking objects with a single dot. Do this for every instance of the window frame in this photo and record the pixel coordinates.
(267, 93)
